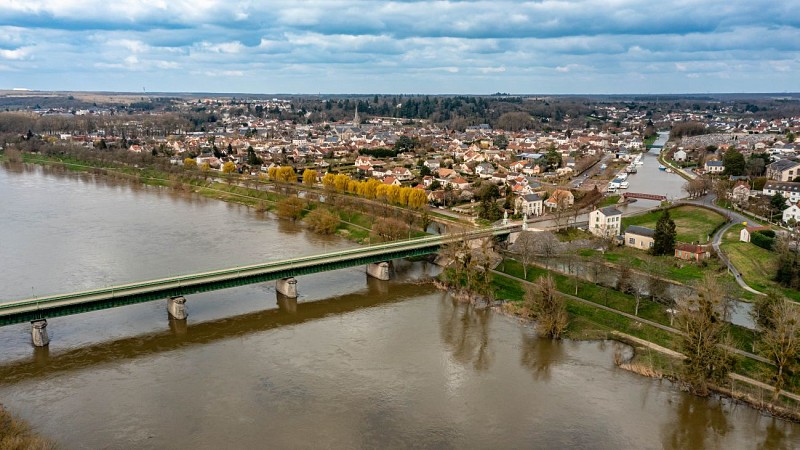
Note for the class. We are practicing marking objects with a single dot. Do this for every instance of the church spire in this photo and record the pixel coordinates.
(356, 119)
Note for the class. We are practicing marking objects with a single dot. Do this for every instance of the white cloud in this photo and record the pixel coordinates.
(15, 54)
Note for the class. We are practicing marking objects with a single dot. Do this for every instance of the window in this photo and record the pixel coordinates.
(631, 240)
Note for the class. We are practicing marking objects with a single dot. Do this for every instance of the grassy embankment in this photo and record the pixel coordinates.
(588, 320)
(757, 265)
(692, 224)
(17, 435)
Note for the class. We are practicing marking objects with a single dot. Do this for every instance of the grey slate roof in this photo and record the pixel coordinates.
(640, 231)
(610, 211)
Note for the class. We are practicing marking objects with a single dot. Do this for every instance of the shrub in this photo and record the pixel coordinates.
(291, 208)
(762, 240)
(322, 221)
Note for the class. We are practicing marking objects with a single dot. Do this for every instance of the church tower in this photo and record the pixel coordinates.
(356, 119)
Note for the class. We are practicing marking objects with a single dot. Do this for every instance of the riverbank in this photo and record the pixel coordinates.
(18, 435)
(356, 216)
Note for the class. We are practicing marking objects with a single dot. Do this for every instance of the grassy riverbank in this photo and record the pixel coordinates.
(17, 435)
(599, 312)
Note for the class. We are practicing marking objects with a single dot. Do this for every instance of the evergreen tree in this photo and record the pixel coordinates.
(734, 162)
(664, 235)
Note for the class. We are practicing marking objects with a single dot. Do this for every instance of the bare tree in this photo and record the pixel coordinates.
(547, 307)
(704, 337)
(525, 247)
(781, 342)
(548, 246)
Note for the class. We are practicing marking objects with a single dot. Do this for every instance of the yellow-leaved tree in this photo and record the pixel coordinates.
(309, 177)
(228, 167)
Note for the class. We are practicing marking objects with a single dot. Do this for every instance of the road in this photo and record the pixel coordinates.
(733, 218)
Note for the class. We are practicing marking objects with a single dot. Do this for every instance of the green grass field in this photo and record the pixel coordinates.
(693, 224)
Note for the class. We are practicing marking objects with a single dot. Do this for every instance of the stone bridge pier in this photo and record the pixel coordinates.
(39, 333)
(176, 307)
(287, 287)
(379, 270)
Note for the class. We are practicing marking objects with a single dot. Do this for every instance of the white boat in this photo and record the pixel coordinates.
(622, 176)
(639, 163)
(623, 185)
(668, 170)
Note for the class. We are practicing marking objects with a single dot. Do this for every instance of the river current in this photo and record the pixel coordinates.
(354, 363)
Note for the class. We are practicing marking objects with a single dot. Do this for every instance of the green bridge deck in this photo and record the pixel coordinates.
(31, 309)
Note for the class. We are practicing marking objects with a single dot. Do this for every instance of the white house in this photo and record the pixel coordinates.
(789, 190)
(792, 212)
(530, 204)
(605, 222)
(744, 235)
(679, 156)
(714, 167)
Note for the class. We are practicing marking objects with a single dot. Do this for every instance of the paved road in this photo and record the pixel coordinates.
(733, 218)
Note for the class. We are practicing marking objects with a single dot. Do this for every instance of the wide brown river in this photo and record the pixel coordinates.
(356, 363)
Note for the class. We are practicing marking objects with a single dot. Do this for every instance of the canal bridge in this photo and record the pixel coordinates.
(37, 309)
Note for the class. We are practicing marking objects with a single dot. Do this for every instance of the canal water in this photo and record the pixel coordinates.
(650, 180)
(355, 363)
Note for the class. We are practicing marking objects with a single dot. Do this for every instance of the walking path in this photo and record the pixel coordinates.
(638, 319)
(707, 201)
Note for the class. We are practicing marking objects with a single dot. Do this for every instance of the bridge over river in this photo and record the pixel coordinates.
(36, 310)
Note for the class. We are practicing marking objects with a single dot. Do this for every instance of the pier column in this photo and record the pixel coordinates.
(176, 307)
(379, 270)
(39, 333)
(287, 287)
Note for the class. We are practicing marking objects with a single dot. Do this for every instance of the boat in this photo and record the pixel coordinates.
(661, 167)
(631, 169)
(668, 170)
(639, 163)
(623, 185)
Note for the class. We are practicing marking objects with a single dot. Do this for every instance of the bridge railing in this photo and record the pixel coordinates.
(238, 271)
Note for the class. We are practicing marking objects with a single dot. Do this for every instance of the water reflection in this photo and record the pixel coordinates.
(540, 355)
(698, 423)
(465, 332)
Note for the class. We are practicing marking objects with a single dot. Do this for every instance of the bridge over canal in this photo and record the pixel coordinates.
(36, 310)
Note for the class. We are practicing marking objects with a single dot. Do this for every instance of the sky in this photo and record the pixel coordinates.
(401, 46)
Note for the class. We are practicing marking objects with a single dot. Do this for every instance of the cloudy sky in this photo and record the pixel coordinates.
(402, 46)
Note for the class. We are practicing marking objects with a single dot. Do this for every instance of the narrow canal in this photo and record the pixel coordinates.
(356, 363)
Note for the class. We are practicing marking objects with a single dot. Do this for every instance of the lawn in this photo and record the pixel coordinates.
(609, 201)
(756, 264)
(693, 224)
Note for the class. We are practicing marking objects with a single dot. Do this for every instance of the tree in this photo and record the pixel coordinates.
(322, 221)
(664, 236)
(388, 229)
(547, 307)
(781, 341)
(309, 177)
(501, 141)
(252, 157)
(734, 162)
(701, 319)
(229, 167)
(525, 247)
(190, 163)
(291, 208)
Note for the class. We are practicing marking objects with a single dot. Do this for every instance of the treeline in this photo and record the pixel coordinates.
(373, 189)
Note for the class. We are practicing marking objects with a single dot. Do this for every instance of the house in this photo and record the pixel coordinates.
(391, 181)
(714, 167)
(484, 170)
(402, 174)
(740, 193)
(432, 164)
(605, 222)
(792, 212)
(744, 235)
(789, 190)
(560, 198)
(692, 252)
(679, 156)
(529, 204)
(459, 183)
(639, 237)
(783, 170)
